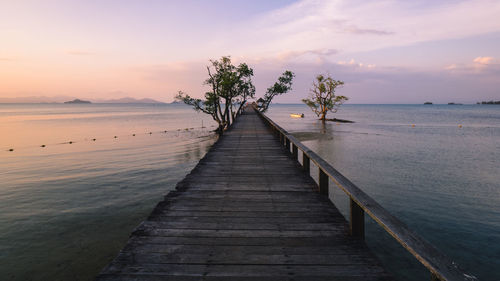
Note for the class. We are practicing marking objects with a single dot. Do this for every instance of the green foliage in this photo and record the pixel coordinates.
(283, 85)
(231, 87)
(322, 96)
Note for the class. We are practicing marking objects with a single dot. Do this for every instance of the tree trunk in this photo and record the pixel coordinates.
(227, 114)
(323, 116)
(220, 130)
(240, 107)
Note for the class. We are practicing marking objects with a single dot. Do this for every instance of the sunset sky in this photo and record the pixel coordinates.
(385, 51)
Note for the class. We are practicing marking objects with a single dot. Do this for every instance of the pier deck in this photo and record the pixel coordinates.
(246, 212)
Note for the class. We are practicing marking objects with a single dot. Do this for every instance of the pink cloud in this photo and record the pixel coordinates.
(484, 60)
(479, 66)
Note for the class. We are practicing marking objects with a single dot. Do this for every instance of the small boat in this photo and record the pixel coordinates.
(296, 115)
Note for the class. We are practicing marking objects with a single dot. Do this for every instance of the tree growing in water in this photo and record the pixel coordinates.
(322, 98)
(231, 87)
(283, 85)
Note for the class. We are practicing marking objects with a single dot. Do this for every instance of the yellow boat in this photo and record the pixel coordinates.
(295, 115)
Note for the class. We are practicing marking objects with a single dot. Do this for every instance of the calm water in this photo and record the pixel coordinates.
(440, 179)
(67, 209)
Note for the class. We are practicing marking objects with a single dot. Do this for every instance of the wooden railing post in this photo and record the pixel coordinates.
(281, 138)
(287, 144)
(323, 182)
(357, 220)
(434, 277)
(306, 163)
(295, 152)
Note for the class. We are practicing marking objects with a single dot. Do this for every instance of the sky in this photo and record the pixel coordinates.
(385, 51)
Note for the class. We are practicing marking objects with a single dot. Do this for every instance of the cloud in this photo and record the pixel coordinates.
(392, 85)
(359, 26)
(355, 30)
(171, 77)
(7, 59)
(484, 60)
(451, 67)
(317, 55)
(479, 66)
(353, 63)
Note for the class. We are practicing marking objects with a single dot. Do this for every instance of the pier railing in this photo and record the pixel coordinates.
(440, 266)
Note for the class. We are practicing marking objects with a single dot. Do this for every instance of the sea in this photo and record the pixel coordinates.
(76, 179)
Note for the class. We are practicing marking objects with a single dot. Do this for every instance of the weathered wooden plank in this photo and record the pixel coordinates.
(243, 233)
(168, 245)
(231, 257)
(241, 226)
(291, 244)
(264, 187)
(260, 205)
(248, 270)
(148, 277)
(230, 208)
(251, 214)
(242, 195)
(238, 178)
(285, 221)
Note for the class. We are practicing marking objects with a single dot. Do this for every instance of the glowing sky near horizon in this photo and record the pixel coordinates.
(385, 51)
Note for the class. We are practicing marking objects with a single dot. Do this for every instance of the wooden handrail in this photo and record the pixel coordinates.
(439, 265)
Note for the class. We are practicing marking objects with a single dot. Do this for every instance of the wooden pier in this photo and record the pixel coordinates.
(250, 211)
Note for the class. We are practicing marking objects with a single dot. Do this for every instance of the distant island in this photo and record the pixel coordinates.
(452, 103)
(427, 102)
(77, 101)
(489, 102)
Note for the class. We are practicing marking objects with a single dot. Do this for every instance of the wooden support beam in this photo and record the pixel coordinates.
(306, 164)
(323, 182)
(295, 152)
(357, 220)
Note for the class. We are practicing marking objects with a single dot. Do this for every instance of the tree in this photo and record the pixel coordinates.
(231, 87)
(283, 85)
(322, 96)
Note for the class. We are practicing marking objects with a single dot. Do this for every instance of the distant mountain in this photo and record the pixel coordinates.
(62, 99)
(77, 101)
(128, 100)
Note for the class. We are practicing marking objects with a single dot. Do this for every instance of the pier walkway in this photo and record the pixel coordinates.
(247, 211)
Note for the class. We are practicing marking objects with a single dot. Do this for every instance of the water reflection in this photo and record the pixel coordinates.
(67, 209)
(439, 178)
